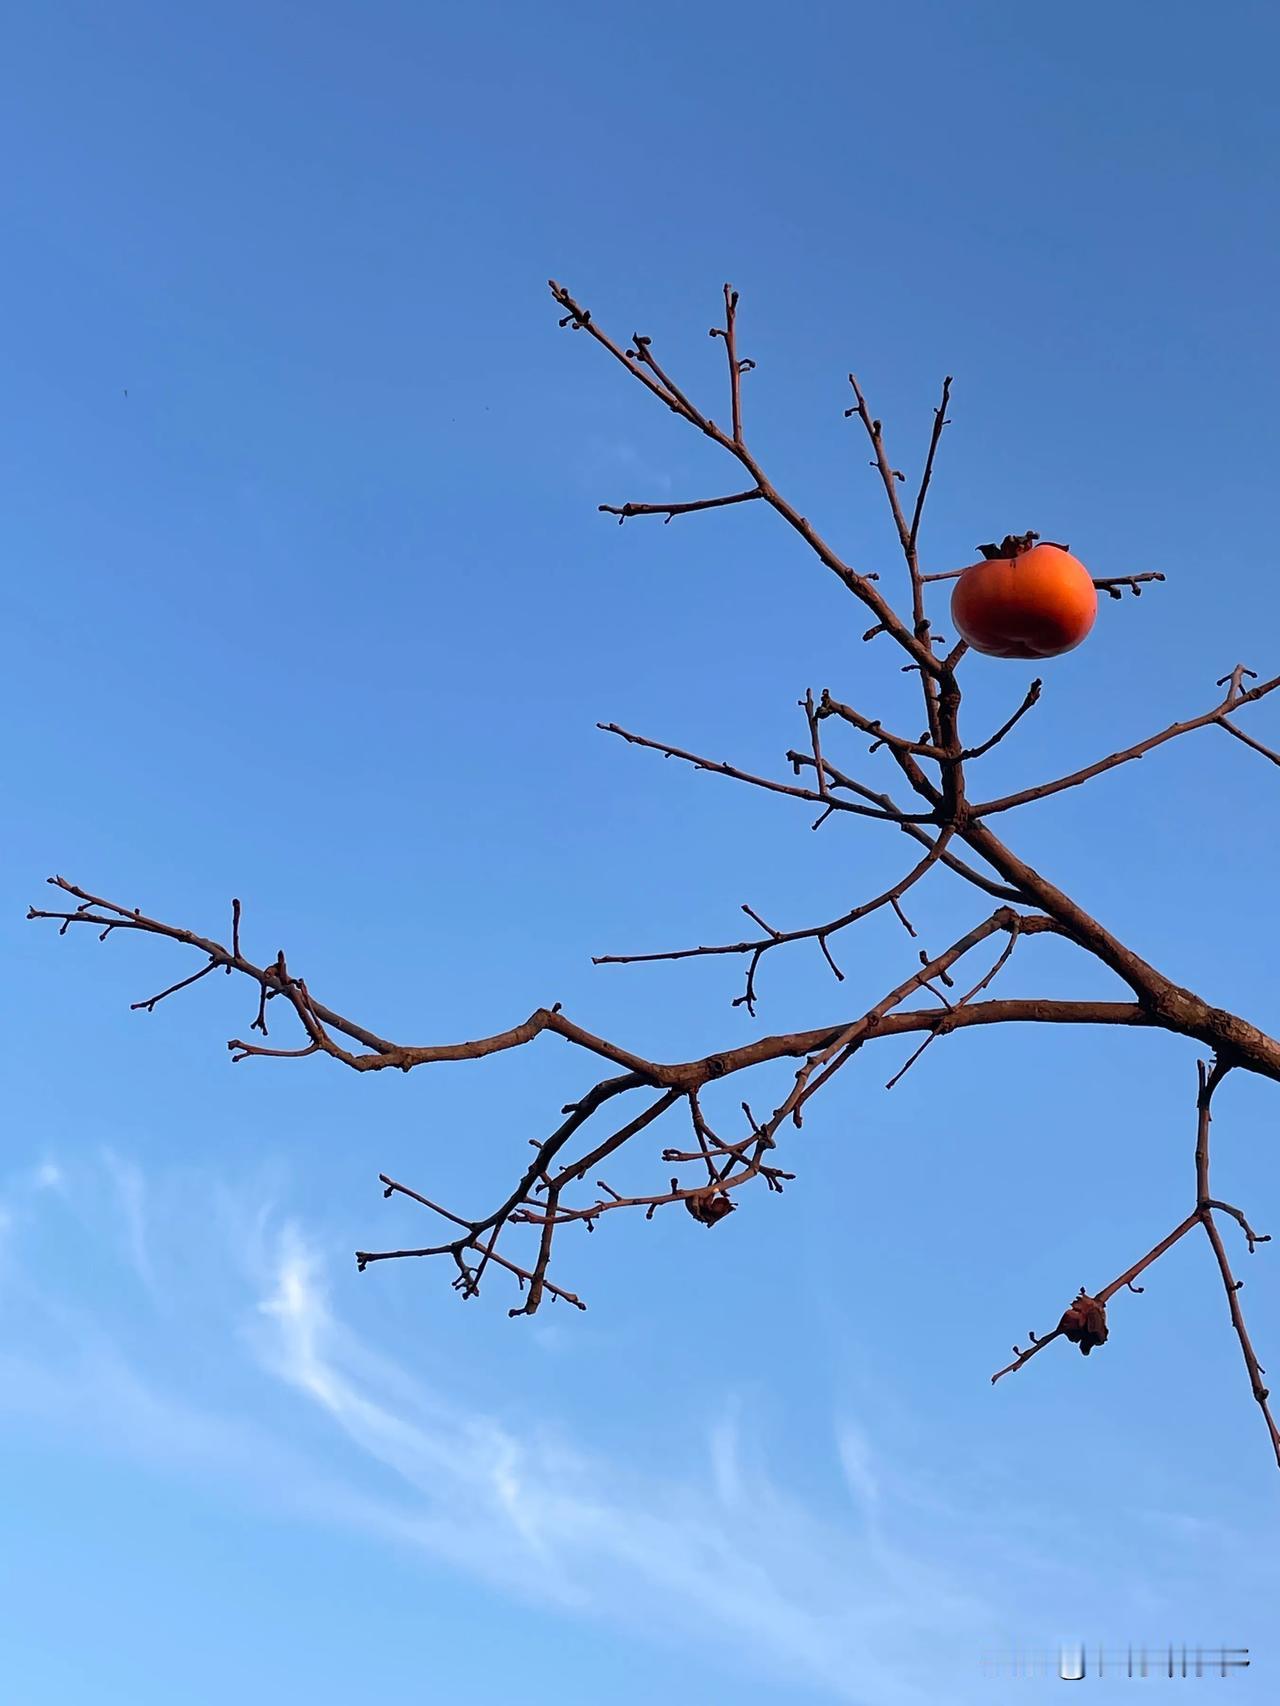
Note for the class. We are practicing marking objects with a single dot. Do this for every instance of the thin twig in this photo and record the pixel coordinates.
(624, 512)
(1235, 698)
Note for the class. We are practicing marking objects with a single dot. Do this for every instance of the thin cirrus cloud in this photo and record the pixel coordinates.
(605, 457)
(714, 1550)
(131, 1193)
(731, 1553)
(48, 1177)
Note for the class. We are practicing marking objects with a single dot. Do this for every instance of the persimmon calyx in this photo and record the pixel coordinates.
(1014, 544)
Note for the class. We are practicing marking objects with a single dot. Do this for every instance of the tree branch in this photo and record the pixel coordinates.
(821, 798)
(1236, 697)
(947, 826)
(908, 534)
(1090, 1311)
(759, 946)
(624, 512)
(665, 389)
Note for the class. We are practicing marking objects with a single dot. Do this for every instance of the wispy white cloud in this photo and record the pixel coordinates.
(725, 1469)
(737, 1562)
(618, 457)
(21, 1186)
(1190, 1526)
(131, 1199)
(48, 1176)
(715, 1550)
(856, 1460)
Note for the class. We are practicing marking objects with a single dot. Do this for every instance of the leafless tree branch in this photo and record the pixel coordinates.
(560, 1184)
(624, 512)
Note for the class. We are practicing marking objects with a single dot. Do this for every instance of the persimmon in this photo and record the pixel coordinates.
(1024, 600)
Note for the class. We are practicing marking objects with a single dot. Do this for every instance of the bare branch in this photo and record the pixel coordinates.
(736, 368)
(1249, 740)
(1124, 1279)
(1114, 585)
(149, 1006)
(1252, 1238)
(946, 1022)
(1201, 1215)
(935, 438)
(1252, 1366)
(669, 393)
(364, 1257)
(908, 534)
(1032, 696)
(1111, 584)
(721, 769)
(684, 1076)
(1235, 698)
(815, 741)
(624, 512)
(889, 475)
(834, 1054)
(829, 707)
(757, 946)
(952, 832)
(1209, 1081)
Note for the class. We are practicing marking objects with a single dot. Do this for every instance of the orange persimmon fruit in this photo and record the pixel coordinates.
(1024, 600)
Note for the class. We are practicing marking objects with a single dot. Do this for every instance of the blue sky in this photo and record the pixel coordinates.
(322, 614)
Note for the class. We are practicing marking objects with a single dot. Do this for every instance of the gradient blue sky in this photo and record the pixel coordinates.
(322, 614)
